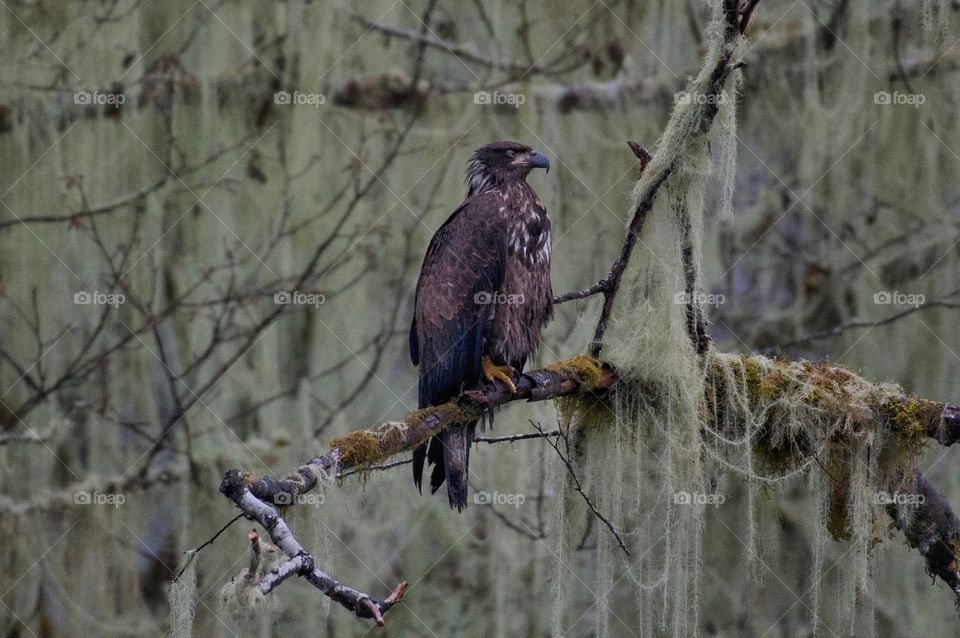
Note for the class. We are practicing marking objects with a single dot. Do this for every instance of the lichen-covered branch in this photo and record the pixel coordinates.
(259, 498)
(838, 394)
(300, 562)
(364, 448)
(933, 529)
(803, 410)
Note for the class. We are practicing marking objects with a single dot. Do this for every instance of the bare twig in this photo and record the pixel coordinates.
(208, 542)
(461, 51)
(510, 438)
(577, 486)
(838, 330)
(606, 285)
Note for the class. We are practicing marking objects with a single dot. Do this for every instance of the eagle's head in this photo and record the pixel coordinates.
(500, 163)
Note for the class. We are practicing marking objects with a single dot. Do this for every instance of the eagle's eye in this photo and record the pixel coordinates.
(511, 154)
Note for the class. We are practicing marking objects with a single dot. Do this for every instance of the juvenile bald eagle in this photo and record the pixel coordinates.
(482, 298)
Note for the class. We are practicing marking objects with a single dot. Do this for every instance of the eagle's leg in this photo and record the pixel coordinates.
(492, 371)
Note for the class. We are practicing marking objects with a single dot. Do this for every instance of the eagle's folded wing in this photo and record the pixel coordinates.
(461, 275)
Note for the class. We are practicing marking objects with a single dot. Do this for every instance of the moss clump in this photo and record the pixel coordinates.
(449, 413)
(358, 448)
(586, 370)
(760, 383)
(417, 416)
(833, 389)
(366, 447)
(838, 515)
(912, 417)
(751, 377)
(780, 455)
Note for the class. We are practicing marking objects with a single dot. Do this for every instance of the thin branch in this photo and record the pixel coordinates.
(601, 286)
(838, 330)
(577, 486)
(254, 552)
(374, 468)
(510, 438)
(461, 51)
(193, 552)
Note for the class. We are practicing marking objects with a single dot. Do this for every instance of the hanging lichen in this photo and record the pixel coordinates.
(183, 599)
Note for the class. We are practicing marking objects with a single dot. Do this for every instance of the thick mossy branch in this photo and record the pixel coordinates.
(829, 396)
(587, 371)
(810, 410)
(801, 411)
(582, 374)
(366, 447)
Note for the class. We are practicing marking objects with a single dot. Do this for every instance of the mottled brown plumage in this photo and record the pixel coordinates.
(482, 299)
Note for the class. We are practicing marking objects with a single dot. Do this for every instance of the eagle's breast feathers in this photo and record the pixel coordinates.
(525, 301)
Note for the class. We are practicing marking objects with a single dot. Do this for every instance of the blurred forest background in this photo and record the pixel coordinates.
(212, 214)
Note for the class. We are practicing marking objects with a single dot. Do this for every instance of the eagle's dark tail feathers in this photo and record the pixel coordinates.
(456, 461)
(449, 453)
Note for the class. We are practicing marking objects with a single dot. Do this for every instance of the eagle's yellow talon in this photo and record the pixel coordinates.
(492, 371)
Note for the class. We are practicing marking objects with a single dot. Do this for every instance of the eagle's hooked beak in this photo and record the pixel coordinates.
(539, 160)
